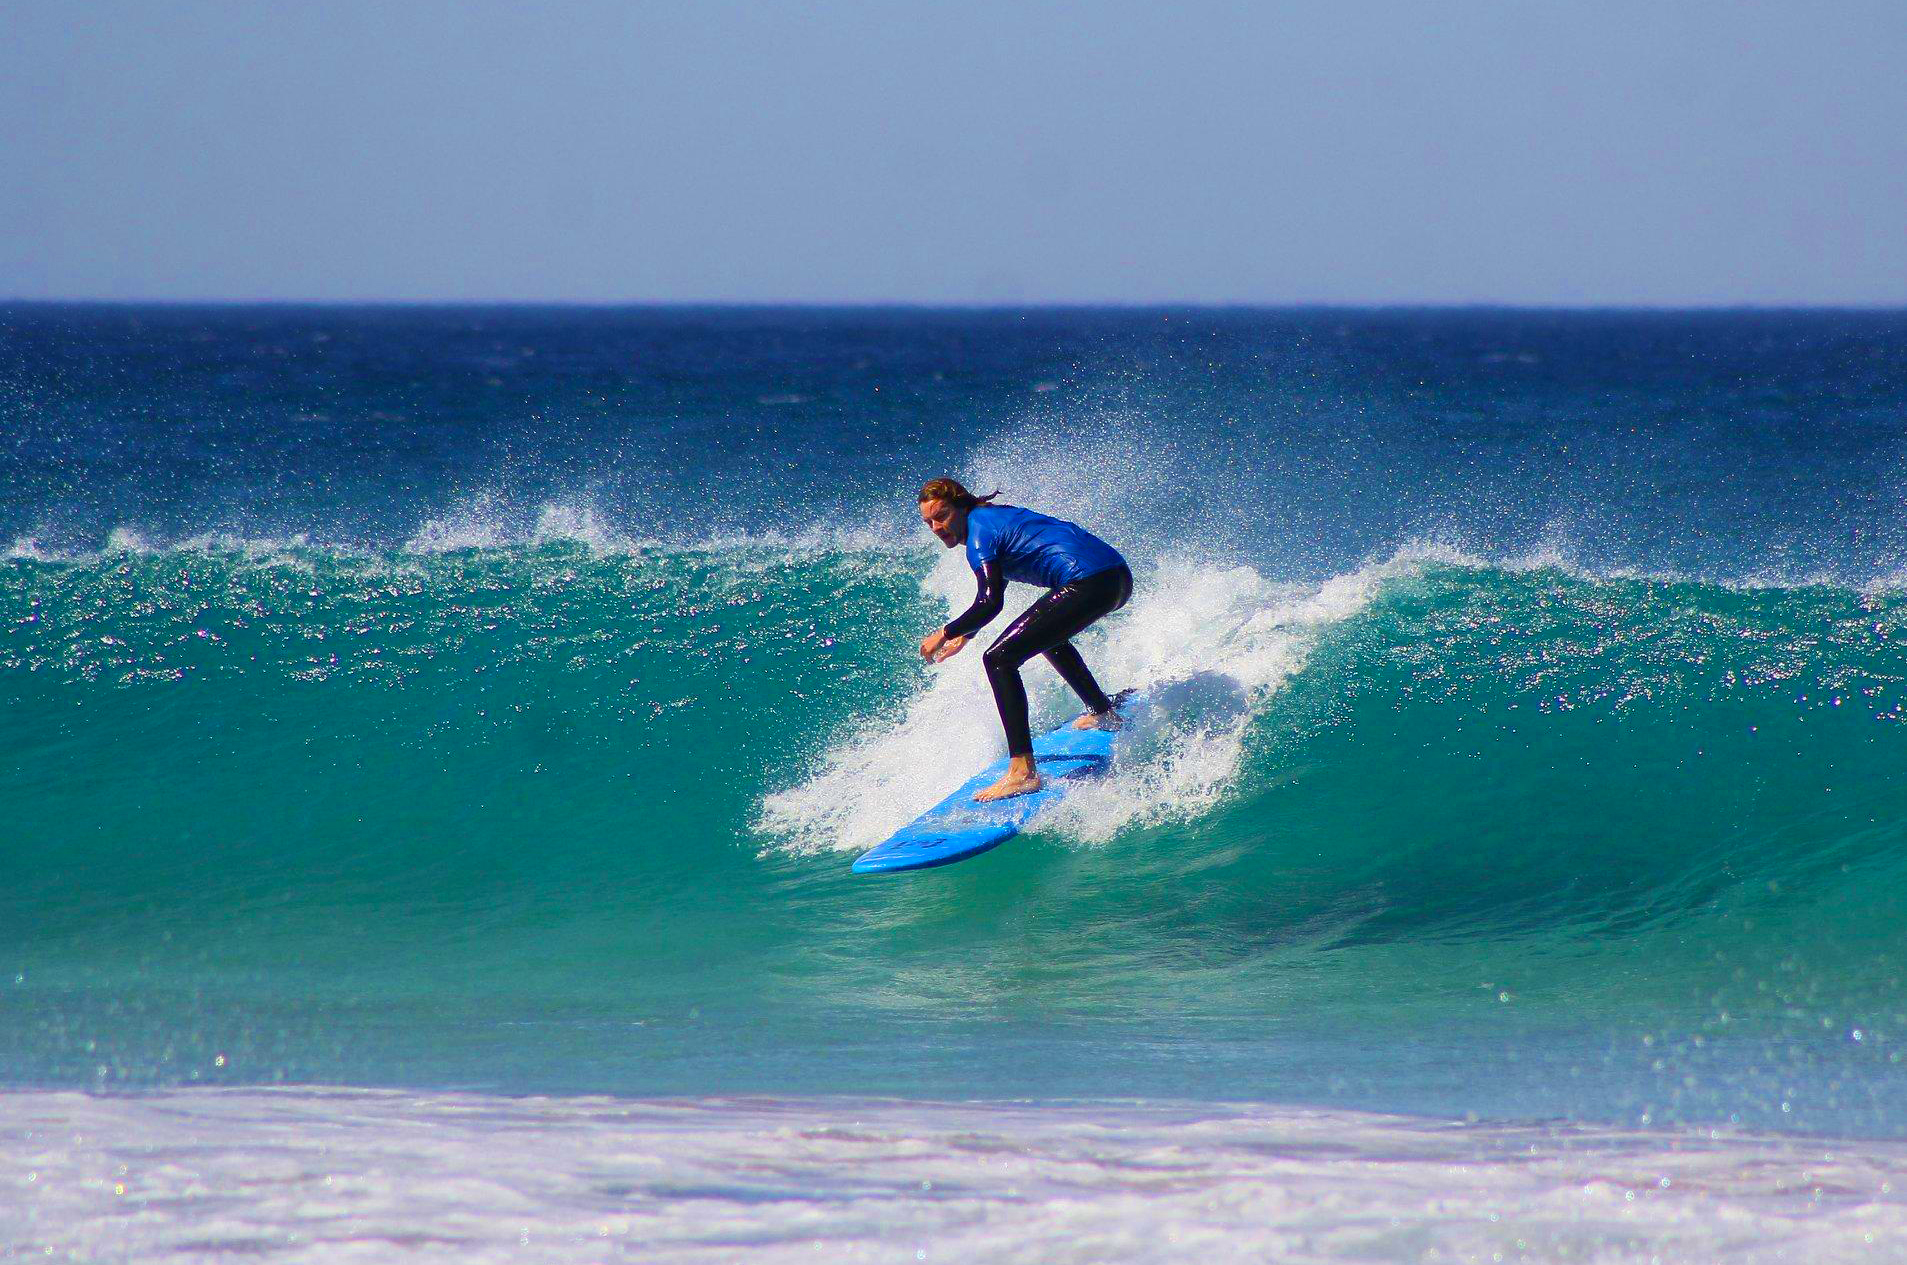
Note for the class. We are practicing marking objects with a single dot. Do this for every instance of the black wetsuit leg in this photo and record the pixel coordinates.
(1047, 627)
(1073, 670)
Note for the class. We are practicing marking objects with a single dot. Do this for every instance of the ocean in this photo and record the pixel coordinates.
(435, 738)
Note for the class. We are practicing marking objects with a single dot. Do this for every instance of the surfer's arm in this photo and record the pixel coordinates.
(986, 603)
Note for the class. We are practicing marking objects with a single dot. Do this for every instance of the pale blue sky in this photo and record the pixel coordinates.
(1375, 152)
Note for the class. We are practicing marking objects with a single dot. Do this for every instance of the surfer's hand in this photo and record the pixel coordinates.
(937, 645)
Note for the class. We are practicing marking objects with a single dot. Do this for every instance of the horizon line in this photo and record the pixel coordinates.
(954, 305)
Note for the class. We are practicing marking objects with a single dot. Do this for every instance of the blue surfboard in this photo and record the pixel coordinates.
(959, 827)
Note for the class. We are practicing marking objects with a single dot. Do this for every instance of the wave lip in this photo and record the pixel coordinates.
(683, 1180)
(479, 526)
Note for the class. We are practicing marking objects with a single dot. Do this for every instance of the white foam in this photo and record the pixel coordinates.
(129, 540)
(1210, 643)
(132, 540)
(478, 522)
(1559, 556)
(322, 1175)
(483, 525)
(581, 524)
(29, 549)
(486, 521)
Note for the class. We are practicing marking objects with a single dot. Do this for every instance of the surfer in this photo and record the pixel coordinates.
(1085, 579)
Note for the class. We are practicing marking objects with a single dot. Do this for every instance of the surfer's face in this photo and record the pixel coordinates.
(947, 521)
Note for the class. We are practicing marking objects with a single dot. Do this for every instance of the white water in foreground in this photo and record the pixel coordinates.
(366, 1175)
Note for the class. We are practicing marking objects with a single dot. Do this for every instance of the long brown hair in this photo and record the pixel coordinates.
(954, 492)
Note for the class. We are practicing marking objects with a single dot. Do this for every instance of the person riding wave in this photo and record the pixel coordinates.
(1085, 578)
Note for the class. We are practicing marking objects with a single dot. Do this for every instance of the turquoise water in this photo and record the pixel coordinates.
(494, 700)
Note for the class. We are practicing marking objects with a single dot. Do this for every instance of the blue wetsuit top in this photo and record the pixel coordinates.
(1005, 542)
(1034, 549)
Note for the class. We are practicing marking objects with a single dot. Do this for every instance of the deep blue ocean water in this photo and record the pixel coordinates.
(493, 699)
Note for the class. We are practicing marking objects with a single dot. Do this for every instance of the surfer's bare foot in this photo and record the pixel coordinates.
(1108, 719)
(1021, 778)
(1007, 787)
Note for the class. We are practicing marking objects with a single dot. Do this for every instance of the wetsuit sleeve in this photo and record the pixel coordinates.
(986, 603)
